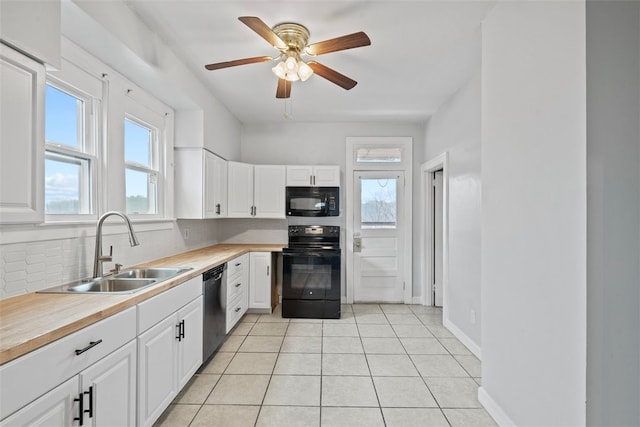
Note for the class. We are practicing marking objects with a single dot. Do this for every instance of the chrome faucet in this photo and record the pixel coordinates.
(98, 257)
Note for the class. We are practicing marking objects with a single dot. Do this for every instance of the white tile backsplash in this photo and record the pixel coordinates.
(33, 266)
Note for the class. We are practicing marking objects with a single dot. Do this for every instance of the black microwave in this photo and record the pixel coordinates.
(313, 201)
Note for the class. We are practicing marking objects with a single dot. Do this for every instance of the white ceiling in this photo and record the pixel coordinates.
(420, 53)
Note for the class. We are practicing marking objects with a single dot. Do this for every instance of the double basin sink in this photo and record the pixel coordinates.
(125, 282)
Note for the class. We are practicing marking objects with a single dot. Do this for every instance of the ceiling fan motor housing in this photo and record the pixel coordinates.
(296, 36)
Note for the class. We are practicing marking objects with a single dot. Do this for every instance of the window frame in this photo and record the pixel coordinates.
(144, 111)
(70, 84)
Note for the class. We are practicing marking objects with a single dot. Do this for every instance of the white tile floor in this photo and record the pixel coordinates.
(379, 365)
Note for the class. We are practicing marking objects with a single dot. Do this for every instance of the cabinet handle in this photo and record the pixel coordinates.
(182, 329)
(90, 346)
(218, 208)
(178, 337)
(237, 309)
(238, 285)
(90, 410)
(268, 270)
(238, 264)
(80, 417)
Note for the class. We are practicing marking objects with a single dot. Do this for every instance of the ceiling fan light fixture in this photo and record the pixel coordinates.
(304, 71)
(280, 70)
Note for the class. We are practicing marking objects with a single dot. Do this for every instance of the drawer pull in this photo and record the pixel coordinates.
(90, 346)
(238, 285)
(180, 332)
(90, 410)
(238, 264)
(237, 309)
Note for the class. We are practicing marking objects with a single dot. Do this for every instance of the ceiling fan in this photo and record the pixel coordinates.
(292, 40)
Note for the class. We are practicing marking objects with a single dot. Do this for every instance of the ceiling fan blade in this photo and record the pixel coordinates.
(332, 75)
(244, 61)
(284, 89)
(349, 41)
(263, 30)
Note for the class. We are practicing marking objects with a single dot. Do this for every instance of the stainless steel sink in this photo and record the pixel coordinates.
(151, 273)
(126, 282)
(112, 285)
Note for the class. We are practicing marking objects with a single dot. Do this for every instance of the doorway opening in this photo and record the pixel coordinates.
(434, 237)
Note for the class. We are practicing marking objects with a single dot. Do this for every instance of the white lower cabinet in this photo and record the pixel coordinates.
(95, 366)
(237, 292)
(170, 351)
(260, 280)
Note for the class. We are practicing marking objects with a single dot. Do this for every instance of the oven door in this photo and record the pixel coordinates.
(311, 274)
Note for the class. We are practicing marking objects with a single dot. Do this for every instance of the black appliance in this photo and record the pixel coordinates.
(214, 318)
(311, 272)
(313, 201)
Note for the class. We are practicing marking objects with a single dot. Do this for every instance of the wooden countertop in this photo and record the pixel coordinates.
(28, 322)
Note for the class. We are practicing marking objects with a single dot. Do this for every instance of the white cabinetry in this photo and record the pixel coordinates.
(22, 82)
(200, 184)
(313, 176)
(260, 282)
(95, 366)
(170, 348)
(256, 191)
(237, 290)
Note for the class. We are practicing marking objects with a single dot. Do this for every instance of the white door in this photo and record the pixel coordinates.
(113, 389)
(269, 191)
(190, 341)
(378, 236)
(437, 238)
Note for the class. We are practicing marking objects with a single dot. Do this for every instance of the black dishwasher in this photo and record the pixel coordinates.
(214, 319)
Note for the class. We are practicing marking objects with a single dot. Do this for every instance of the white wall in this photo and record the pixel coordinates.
(534, 213)
(455, 128)
(302, 143)
(613, 225)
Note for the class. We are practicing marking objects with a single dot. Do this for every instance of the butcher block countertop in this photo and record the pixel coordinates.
(30, 321)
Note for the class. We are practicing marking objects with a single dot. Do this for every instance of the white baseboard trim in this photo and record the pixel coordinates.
(464, 338)
(494, 409)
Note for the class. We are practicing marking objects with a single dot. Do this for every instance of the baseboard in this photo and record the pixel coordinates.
(464, 338)
(496, 412)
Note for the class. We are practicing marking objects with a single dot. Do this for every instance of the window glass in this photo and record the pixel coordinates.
(63, 118)
(140, 192)
(137, 143)
(378, 203)
(65, 192)
(379, 155)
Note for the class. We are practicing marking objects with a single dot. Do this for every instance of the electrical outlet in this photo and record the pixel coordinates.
(186, 232)
(473, 317)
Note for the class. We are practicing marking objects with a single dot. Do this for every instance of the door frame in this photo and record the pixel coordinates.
(405, 143)
(426, 237)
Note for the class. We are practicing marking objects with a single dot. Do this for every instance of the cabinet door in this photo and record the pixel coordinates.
(209, 185)
(190, 341)
(157, 360)
(21, 138)
(299, 176)
(260, 281)
(326, 176)
(53, 409)
(113, 389)
(269, 191)
(240, 194)
(220, 187)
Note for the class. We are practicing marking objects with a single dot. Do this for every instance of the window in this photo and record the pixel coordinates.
(378, 155)
(69, 152)
(378, 203)
(141, 167)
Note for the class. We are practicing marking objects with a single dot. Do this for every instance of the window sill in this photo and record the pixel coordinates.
(75, 229)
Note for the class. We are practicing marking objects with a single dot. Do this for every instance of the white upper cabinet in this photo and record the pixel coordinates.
(256, 191)
(200, 184)
(22, 83)
(313, 176)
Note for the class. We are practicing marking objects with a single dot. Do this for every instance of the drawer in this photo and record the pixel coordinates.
(157, 308)
(236, 265)
(41, 370)
(235, 310)
(235, 287)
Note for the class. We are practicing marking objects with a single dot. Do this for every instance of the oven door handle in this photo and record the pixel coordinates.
(323, 254)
